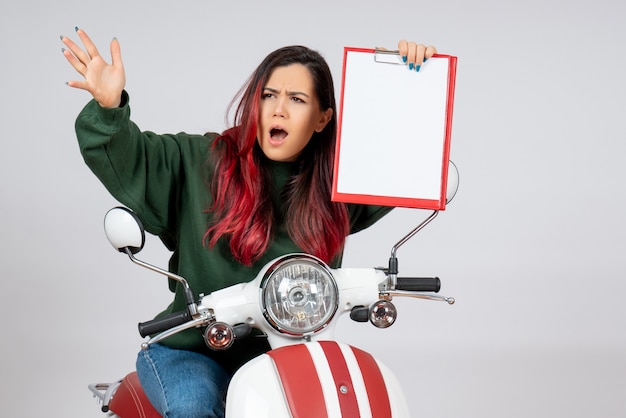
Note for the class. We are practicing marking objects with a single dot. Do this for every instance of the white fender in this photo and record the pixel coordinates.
(255, 391)
(315, 380)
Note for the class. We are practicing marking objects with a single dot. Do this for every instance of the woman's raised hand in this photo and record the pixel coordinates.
(415, 54)
(104, 81)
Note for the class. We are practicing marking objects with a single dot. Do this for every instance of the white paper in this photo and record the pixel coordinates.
(393, 128)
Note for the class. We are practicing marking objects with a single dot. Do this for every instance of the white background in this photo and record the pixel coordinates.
(532, 247)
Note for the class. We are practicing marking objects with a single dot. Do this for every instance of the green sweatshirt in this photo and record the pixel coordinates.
(164, 180)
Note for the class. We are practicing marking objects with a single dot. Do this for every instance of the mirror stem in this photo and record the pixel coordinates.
(189, 298)
(393, 260)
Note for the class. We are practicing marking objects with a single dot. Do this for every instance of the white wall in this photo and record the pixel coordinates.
(532, 247)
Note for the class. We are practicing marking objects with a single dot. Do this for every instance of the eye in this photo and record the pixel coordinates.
(297, 99)
(266, 96)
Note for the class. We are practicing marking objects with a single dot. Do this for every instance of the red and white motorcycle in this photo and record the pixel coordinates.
(296, 300)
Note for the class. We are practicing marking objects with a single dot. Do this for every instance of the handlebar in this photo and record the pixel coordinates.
(419, 284)
(163, 323)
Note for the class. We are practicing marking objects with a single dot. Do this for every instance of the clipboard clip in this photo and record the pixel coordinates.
(386, 56)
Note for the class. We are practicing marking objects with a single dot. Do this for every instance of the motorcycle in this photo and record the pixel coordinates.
(296, 300)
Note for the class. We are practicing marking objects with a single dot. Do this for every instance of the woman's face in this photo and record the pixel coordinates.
(289, 113)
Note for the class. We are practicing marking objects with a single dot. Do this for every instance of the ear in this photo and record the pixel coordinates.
(325, 117)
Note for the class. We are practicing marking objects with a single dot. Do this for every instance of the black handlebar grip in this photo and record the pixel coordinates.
(419, 284)
(163, 323)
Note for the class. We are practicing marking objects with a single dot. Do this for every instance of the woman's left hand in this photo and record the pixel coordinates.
(414, 54)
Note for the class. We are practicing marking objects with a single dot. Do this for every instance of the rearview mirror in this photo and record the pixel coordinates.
(453, 182)
(124, 230)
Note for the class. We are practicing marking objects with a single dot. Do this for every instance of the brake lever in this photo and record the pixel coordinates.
(400, 293)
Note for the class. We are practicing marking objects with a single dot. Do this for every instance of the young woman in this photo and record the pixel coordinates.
(224, 204)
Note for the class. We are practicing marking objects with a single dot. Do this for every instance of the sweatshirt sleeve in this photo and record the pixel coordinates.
(141, 170)
(364, 216)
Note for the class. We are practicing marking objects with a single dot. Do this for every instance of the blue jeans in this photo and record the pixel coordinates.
(181, 383)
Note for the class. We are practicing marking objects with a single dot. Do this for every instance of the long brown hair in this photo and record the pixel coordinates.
(242, 207)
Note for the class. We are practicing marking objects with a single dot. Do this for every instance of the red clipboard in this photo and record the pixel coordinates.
(394, 130)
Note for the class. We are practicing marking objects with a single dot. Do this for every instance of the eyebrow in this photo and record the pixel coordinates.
(289, 93)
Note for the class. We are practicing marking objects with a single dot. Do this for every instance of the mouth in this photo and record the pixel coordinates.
(277, 135)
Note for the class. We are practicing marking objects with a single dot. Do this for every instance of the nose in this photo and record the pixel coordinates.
(279, 109)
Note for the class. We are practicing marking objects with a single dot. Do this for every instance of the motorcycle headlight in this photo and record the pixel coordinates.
(299, 295)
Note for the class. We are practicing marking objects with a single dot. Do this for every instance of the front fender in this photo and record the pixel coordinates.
(316, 380)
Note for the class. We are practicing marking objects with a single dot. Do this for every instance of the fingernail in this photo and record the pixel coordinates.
(61, 37)
(411, 65)
(425, 59)
(76, 28)
(63, 50)
(417, 68)
(404, 59)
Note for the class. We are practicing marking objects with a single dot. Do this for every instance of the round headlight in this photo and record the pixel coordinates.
(299, 294)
